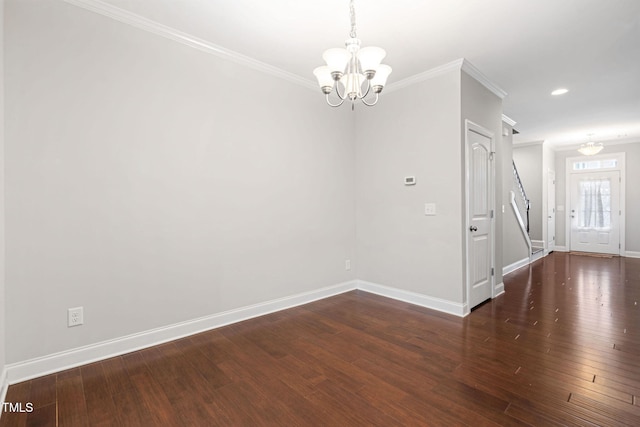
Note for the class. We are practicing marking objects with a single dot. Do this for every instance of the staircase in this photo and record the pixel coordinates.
(521, 205)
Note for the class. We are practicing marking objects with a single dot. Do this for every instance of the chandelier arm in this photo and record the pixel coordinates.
(342, 97)
(372, 104)
(368, 89)
(334, 105)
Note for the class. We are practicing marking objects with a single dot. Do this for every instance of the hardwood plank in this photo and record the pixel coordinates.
(16, 394)
(155, 399)
(560, 347)
(43, 391)
(116, 375)
(132, 410)
(101, 409)
(533, 417)
(72, 406)
(44, 416)
(628, 414)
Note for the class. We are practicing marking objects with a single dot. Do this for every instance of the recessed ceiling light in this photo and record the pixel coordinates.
(561, 91)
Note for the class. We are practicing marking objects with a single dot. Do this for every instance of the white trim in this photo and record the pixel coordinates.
(469, 127)
(474, 72)
(514, 266)
(29, 369)
(527, 144)
(632, 254)
(22, 371)
(508, 120)
(499, 290)
(560, 249)
(142, 23)
(425, 75)
(550, 232)
(537, 255)
(110, 11)
(4, 386)
(422, 300)
(621, 168)
(459, 64)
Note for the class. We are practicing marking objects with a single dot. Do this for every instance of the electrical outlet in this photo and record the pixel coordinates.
(347, 264)
(75, 316)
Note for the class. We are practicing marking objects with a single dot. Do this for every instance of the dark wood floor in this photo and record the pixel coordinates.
(561, 347)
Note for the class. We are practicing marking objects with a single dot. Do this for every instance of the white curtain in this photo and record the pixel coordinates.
(595, 204)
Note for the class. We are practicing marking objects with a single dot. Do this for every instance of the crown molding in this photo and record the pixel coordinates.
(458, 64)
(527, 144)
(142, 23)
(474, 72)
(508, 120)
(426, 75)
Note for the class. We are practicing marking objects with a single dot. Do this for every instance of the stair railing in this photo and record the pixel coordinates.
(524, 204)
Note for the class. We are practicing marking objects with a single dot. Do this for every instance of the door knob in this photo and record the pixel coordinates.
(473, 228)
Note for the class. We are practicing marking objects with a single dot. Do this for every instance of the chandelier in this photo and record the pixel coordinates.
(348, 70)
(590, 148)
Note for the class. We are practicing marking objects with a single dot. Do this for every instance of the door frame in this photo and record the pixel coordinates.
(621, 167)
(470, 126)
(551, 204)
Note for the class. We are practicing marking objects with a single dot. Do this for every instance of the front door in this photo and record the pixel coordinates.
(479, 215)
(595, 212)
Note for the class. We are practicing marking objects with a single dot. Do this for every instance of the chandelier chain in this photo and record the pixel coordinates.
(352, 13)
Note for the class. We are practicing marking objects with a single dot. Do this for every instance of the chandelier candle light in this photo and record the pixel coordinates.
(349, 69)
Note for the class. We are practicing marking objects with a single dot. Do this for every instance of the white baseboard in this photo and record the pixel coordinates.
(516, 265)
(22, 371)
(4, 386)
(422, 300)
(29, 369)
(561, 249)
(499, 289)
(536, 256)
(632, 254)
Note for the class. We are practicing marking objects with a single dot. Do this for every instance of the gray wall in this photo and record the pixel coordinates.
(2, 232)
(152, 183)
(484, 108)
(514, 245)
(418, 131)
(414, 132)
(529, 161)
(632, 195)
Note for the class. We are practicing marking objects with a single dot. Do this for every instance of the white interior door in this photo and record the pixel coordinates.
(595, 212)
(480, 211)
(551, 211)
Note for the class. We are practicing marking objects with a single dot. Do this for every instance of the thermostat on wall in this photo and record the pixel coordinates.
(409, 180)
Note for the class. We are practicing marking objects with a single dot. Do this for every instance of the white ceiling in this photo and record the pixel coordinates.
(526, 47)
